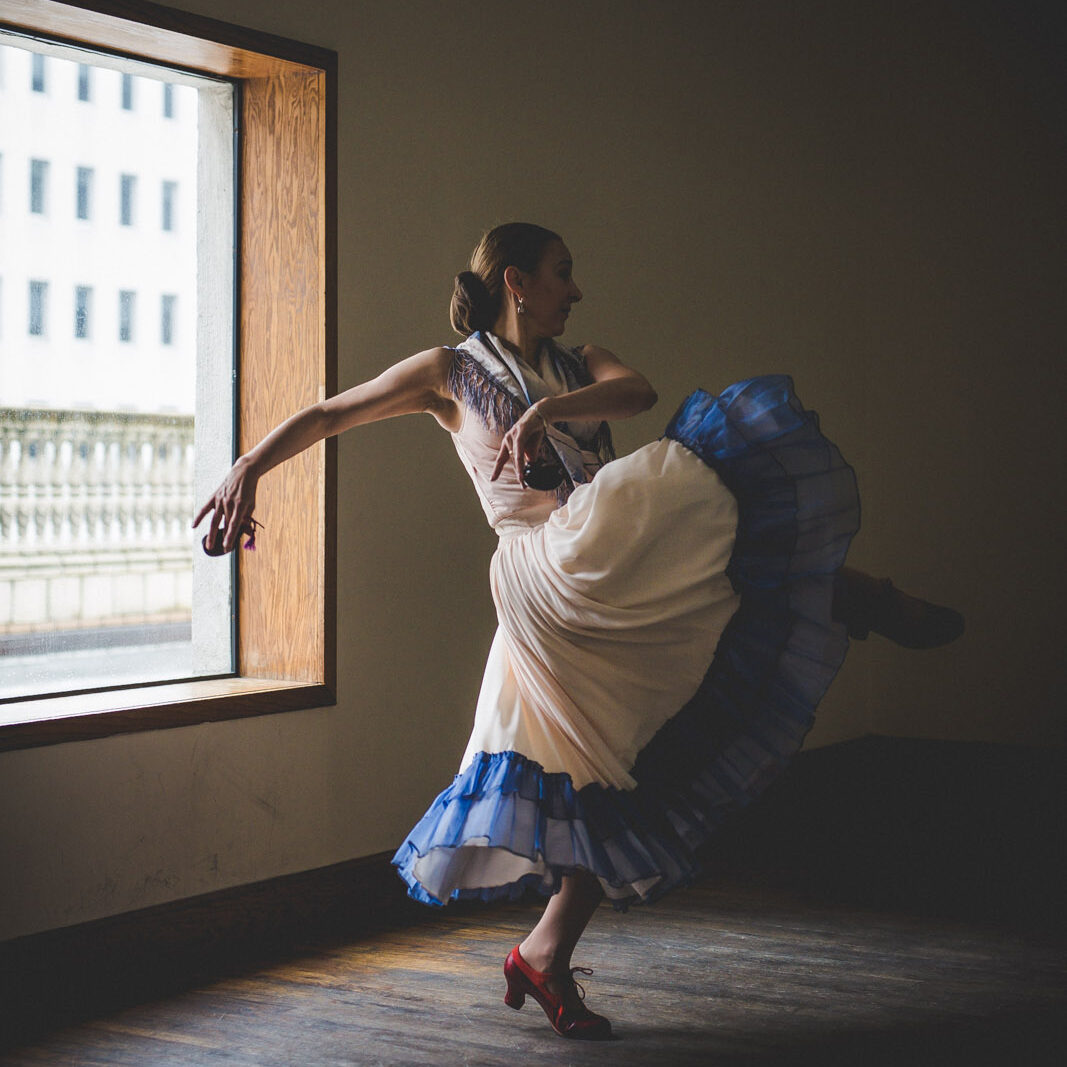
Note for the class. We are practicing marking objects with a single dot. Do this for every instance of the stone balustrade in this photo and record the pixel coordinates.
(94, 518)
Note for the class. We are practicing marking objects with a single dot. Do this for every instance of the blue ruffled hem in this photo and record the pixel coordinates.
(798, 510)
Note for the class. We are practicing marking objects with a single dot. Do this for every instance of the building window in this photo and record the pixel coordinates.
(37, 73)
(170, 196)
(84, 84)
(127, 307)
(127, 92)
(83, 306)
(168, 100)
(38, 186)
(38, 308)
(84, 192)
(166, 319)
(127, 189)
(242, 88)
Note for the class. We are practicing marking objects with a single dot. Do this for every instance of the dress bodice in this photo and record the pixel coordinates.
(508, 505)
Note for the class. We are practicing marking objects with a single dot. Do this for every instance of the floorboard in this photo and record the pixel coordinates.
(727, 972)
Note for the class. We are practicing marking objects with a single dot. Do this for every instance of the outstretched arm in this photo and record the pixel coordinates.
(617, 392)
(419, 383)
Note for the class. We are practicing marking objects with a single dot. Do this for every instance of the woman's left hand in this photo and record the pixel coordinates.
(521, 444)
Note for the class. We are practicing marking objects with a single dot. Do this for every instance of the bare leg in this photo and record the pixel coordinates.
(540, 967)
(549, 945)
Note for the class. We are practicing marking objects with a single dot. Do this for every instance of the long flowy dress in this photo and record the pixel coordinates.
(664, 636)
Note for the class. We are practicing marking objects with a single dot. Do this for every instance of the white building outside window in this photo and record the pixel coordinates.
(105, 426)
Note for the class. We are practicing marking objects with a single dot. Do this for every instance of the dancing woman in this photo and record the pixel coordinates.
(668, 621)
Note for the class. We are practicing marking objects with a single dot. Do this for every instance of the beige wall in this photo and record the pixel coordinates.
(870, 201)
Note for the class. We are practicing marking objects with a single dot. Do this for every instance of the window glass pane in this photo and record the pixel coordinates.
(38, 307)
(127, 187)
(127, 92)
(38, 185)
(166, 326)
(127, 307)
(83, 297)
(37, 74)
(108, 420)
(170, 196)
(84, 83)
(168, 100)
(84, 193)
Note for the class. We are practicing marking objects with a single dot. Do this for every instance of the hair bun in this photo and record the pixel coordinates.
(472, 304)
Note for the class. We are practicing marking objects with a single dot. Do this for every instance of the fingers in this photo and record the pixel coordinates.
(520, 444)
(517, 457)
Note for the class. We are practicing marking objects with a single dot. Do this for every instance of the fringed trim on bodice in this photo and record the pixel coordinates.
(471, 384)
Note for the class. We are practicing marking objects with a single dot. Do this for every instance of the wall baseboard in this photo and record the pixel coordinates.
(53, 978)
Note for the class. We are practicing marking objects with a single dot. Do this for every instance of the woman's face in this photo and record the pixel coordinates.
(550, 291)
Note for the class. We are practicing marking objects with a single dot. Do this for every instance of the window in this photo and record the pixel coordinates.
(83, 301)
(38, 308)
(84, 84)
(166, 319)
(296, 590)
(127, 92)
(84, 192)
(127, 188)
(127, 307)
(38, 186)
(37, 73)
(170, 195)
(168, 100)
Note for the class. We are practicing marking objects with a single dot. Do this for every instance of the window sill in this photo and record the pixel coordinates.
(84, 716)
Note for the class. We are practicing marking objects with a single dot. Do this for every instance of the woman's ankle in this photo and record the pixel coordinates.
(548, 959)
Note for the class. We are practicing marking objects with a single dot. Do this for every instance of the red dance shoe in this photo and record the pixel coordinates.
(577, 1021)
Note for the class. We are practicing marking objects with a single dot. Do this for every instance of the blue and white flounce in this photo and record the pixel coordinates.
(798, 509)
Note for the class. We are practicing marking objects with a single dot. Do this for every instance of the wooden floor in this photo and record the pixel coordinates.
(727, 973)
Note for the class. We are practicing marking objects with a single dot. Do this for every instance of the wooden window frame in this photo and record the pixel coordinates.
(286, 355)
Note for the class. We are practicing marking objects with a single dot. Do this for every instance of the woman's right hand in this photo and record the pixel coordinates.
(231, 506)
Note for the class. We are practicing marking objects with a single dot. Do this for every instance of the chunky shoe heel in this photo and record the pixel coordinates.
(574, 1022)
(514, 998)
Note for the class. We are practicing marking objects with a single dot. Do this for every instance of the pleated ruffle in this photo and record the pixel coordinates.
(505, 824)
